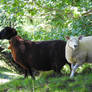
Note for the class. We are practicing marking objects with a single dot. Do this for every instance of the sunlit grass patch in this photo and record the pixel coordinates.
(45, 82)
(80, 83)
(6, 74)
(2, 81)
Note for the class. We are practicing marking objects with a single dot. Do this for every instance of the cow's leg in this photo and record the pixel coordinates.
(72, 66)
(74, 69)
(57, 70)
(31, 73)
(25, 73)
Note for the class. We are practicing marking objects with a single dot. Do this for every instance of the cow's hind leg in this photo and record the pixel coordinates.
(25, 73)
(31, 73)
(57, 71)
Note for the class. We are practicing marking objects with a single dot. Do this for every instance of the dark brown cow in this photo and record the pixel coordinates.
(40, 56)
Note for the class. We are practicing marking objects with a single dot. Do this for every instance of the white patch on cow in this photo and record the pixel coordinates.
(73, 43)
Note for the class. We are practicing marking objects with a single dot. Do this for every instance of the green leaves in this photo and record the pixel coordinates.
(66, 17)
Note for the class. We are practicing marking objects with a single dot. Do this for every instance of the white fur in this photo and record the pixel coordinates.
(79, 54)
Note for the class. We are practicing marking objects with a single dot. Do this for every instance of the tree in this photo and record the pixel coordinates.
(47, 19)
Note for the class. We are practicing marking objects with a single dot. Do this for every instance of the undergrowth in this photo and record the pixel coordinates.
(47, 81)
(80, 83)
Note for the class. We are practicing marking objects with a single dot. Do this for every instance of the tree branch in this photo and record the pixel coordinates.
(87, 13)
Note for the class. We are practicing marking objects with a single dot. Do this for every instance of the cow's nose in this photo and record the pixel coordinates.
(75, 46)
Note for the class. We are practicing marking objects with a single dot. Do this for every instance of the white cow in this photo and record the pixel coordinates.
(78, 50)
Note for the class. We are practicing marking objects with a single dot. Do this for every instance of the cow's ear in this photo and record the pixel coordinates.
(80, 37)
(67, 37)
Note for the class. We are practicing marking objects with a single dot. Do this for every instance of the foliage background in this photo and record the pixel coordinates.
(47, 20)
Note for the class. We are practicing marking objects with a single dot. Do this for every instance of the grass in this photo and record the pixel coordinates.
(6, 74)
(82, 82)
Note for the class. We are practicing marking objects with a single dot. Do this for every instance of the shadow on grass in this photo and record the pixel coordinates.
(3, 69)
(6, 74)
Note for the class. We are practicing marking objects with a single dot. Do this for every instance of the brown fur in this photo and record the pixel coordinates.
(40, 56)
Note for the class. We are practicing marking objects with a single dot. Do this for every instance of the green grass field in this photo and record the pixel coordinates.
(12, 82)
